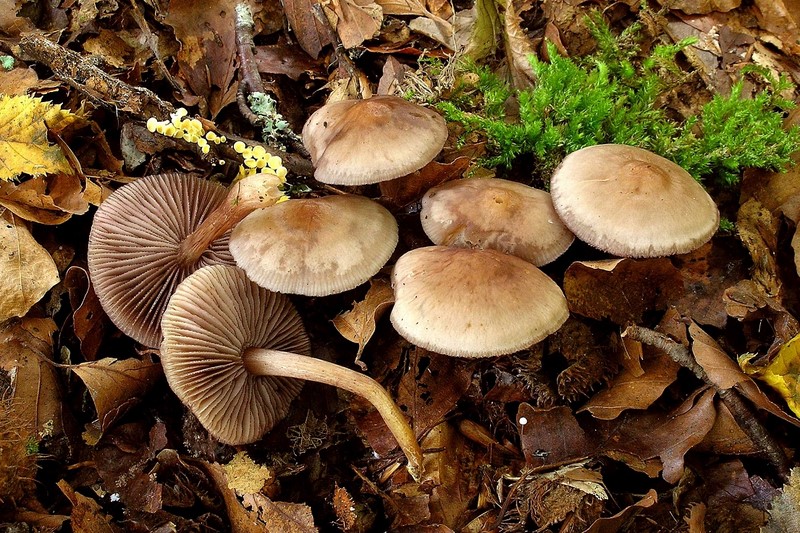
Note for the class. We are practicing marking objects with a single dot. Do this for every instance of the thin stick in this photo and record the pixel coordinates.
(742, 413)
(264, 362)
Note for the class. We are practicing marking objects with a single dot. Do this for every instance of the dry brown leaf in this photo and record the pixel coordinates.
(402, 191)
(88, 318)
(614, 523)
(116, 385)
(784, 513)
(758, 230)
(780, 18)
(281, 516)
(305, 25)
(701, 7)
(621, 290)
(288, 60)
(27, 271)
(402, 7)
(355, 21)
(630, 391)
(358, 325)
(551, 436)
(518, 46)
(47, 200)
(207, 57)
(19, 80)
(726, 437)
(87, 516)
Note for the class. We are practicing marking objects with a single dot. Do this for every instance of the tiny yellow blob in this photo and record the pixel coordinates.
(205, 149)
(211, 136)
(222, 139)
(170, 130)
(250, 162)
(151, 124)
(281, 172)
(259, 151)
(181, 112)
(261, 162)
(202, 143)
(239, 147)
(275, 162)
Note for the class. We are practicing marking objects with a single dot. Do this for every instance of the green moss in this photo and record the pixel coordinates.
(613, 96)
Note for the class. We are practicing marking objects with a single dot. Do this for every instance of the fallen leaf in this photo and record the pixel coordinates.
(614, 523)
(518, 45)
(701, 7)
(305, 25)
(288, 60)
(116, 385)
(781, 373)
(88, 318)
(572, 494)
(358, 324)
(87, 515)
(477, 30)
(782, 19)
(621, 290)
(355, 21)
(784, 513)
(402, 191)
(551, 436)
(758, 230)
(630, 391)
(17, 81)
(24, 148)
(27, 271)
(47, 200)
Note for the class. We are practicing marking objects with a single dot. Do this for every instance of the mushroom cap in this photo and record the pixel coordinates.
(133, 248)
(355, 142)
(473, 303)
(631, 202)
(316, 246)
(212, 318)
(498, 214)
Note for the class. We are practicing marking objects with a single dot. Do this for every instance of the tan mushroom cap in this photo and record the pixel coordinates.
(134, 248)
(213, 317)
(498, 214)
(473, 303)
(315, 247)
(355, 142)
(631, 202)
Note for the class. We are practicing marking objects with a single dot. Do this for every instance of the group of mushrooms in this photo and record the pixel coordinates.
(184, 265)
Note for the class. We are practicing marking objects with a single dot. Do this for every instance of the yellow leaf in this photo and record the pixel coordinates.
(27, 271)
(24, 148)
(781, 373)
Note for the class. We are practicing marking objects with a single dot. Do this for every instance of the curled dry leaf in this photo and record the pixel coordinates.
(621, 290)
(402, 191)
(358, 324)
(355, 21)
(47, 200)
(88, 318)
(27, 271)
(87, 515)
(618, 520)
(758, 230)
(305, 25)
(517, 45)
(630, 391)
(782, 373)
(117, 385)
(551, 436)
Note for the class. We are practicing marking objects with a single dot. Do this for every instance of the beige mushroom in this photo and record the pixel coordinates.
(498, 214)
(317, 246)
(473, 303)
(355, 142)
(632, 203)
(230, 348)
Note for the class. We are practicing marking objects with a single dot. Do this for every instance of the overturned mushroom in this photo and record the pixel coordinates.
(498, 214)
(316, 246)
(150, 234)
(632, 203)
(229, 347)
(473, 303)
(355, 142)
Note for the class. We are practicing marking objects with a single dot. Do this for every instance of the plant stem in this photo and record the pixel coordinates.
(265, 362)
(244, 197)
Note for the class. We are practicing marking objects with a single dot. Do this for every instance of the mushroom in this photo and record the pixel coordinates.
(150, 234)
(494, 213)
(469, 302)
(355, 142)
(229, 348)
(316, 246)
(632, 203)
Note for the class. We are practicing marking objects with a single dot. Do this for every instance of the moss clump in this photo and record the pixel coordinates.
(611, 97)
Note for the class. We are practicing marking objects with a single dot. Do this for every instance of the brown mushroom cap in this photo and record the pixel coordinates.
(315, 246)
(632, 203)
(473, 303)
(213, 317)
(355, 142)
(134, 248)
(498, 214)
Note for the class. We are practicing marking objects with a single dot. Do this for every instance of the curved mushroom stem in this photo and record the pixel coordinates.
(265, 362)
(244, 197)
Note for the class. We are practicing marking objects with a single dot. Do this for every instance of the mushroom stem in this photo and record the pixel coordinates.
(265, 362)
(244, 197)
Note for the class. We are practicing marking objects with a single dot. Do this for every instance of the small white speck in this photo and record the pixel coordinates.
(523, 421)
(114, 497)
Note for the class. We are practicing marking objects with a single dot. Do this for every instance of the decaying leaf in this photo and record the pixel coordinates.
(477, 29)
(48, 199)
(615, 522)
(117, 385)
(518, 45)
(621, 290)
(355, 20)
(27, 271)
(26, 350)
(358, 324)
(551, 436)
(571, 495)
(402, 191)
(24, 148)
(88, 318)
(305, 25)
(87, 515)
(784, 512)
(781, 373)
(758, 230)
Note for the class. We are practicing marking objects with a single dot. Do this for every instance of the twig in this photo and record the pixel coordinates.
(96, 84)
(339, 50)
(743, 414)
(250, 78)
